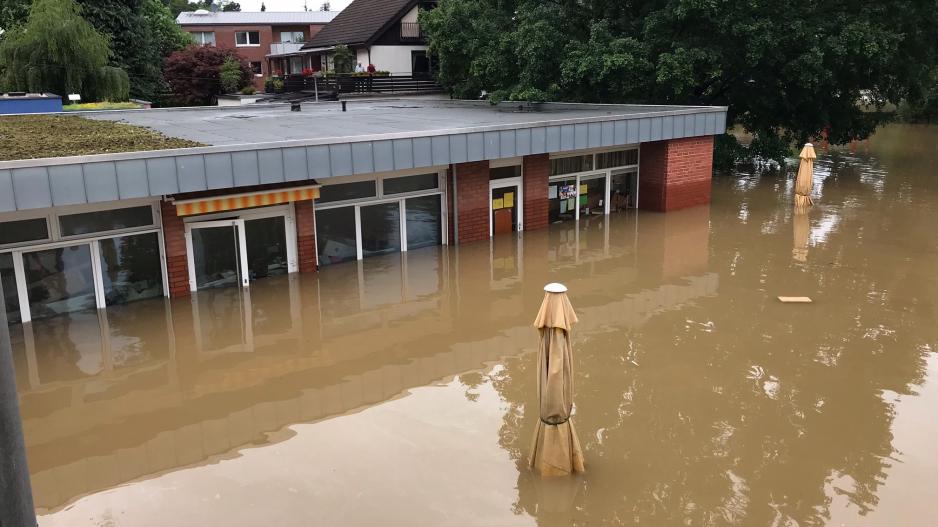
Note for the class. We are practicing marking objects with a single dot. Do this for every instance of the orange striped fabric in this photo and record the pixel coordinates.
(260, 199)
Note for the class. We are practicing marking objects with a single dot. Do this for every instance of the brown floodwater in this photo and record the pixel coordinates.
(400, 390)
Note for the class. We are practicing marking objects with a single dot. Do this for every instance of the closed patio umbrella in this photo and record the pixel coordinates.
(801, 227)
(556, 450)
(805, 181)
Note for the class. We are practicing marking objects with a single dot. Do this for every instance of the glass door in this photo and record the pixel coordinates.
(216, 255)
(266, 243)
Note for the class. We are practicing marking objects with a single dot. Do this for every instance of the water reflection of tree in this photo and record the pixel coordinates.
(738, 410)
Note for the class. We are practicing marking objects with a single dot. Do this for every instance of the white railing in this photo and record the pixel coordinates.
(285, 48)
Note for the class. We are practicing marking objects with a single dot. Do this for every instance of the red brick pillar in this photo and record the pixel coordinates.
(472, 201)
(177, 263)
(535, 170)
(675, 174)
(306, 251)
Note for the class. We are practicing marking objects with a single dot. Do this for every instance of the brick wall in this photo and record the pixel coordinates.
(177, 264)
(306, 236)
(472, 195)
(675, 174)
(536, 170)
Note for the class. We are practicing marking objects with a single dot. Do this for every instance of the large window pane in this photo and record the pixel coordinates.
(381, 229)
(216, 257)
(23, 231)
(592, 196)
(335, 235)
(11, 302)
(266, 246)
(561, 200)
(399, 185)
(106, 220)
(623, 191)
(130, 268)
(59, 280)
(424, 222)
(344, 191)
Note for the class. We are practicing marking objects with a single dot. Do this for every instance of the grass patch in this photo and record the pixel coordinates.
(105, 105)
(36, 136)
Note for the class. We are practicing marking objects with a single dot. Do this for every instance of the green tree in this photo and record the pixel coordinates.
(59, 51)
(788, 68)
(229, 5)
(230, 75)
(178, 6)
(343, 59)
(12, 13)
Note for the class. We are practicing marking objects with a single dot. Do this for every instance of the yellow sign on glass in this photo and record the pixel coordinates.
(498, 204)
(582, 189)
(509, 200)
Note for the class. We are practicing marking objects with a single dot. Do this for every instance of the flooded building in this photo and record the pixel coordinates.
(277, 191)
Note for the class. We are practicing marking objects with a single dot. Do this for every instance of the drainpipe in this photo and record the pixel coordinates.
(16, 498)
(455, 209)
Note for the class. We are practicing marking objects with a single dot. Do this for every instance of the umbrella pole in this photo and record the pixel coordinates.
(16, 499)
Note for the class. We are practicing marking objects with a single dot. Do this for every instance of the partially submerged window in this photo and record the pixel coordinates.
(346, 191)
(619, 158)
(21, 231)
(248, 38)
(106, 220)
(571, 165)
(400, 185)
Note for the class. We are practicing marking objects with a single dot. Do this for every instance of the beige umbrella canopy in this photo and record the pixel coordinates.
(805, 181)
(556, 450)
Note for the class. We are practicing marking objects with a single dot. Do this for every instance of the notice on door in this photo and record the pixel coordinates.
(509, 200)
(498, 204)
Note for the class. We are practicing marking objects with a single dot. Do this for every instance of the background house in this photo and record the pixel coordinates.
(381, 32)
(258, 36)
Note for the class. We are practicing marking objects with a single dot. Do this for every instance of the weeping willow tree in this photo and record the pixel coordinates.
(60, 52)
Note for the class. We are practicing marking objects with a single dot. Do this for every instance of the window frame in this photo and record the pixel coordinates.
(201, 40)
(247, 39)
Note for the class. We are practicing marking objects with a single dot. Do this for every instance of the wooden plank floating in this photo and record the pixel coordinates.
(795, 299)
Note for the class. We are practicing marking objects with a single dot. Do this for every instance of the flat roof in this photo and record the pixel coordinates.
(270, 144)
(374, 119)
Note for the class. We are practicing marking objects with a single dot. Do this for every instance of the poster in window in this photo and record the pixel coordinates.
(567, 191)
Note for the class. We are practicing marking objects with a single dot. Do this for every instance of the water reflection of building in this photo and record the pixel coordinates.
(139, 389)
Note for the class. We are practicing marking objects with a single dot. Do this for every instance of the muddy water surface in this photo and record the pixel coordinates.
(400, 390)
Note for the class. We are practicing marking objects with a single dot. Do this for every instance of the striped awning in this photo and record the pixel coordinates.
(244, 201)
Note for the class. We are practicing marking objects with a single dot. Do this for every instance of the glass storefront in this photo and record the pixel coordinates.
(624, 191)
(336, 235)
(561, 195)
(266, 240)
(592, 199)
(130, 268)
(216, 256)
(408, 216)
(380, 229)
(59, 280)
(11, 302)
(424, 222)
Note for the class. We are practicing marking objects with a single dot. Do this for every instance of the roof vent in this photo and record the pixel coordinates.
(200, 12)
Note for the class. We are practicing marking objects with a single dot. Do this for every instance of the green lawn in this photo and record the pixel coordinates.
(37, 136)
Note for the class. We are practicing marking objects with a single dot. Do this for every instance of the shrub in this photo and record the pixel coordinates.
(343, 59)
(248, 90)
(194, 74)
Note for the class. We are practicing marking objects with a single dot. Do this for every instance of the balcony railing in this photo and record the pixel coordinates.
(411, 31)
(285, 48)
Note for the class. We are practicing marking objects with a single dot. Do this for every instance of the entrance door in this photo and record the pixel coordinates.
(216, 255)
(505, 209)
(266, 241)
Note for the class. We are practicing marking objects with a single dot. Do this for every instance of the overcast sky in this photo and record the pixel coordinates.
(291, 5)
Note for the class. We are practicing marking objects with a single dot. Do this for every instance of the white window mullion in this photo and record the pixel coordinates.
(576, 201)
(241, 234)
(190, 260)
(98, 275)
(290, 226)
(358, 232)
(403, 213)
(19, 274)
(608, 192)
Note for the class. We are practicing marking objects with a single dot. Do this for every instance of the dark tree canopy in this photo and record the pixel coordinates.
(193, 74)
(782, 66)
